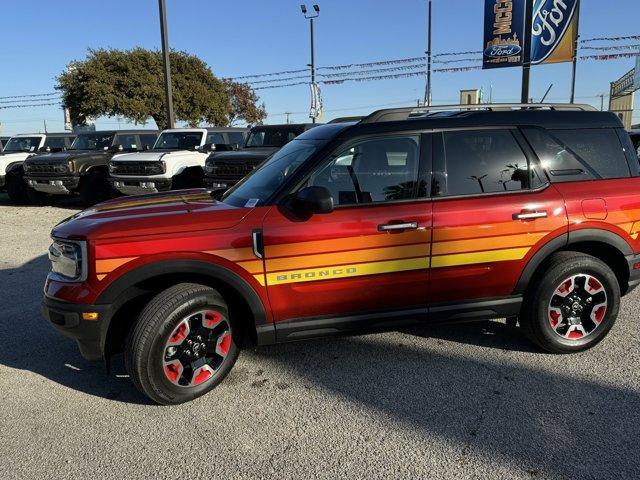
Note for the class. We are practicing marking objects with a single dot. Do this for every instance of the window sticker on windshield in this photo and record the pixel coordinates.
(252, 202)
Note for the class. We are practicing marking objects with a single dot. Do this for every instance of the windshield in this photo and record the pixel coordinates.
(22, 144)
(272, 137)
(92, 141)
(264, 181)
(178, 140)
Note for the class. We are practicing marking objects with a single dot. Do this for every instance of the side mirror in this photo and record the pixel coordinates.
(146, 147)
(44, 149)
(207, 148)
(236, 146)
(115, 148)
(312, 200)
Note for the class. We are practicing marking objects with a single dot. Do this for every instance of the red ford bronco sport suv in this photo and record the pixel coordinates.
(530, 213)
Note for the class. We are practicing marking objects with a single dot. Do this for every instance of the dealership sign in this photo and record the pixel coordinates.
(503, 33)
(554, 30)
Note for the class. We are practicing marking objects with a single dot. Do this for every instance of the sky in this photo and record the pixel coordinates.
(260, 36)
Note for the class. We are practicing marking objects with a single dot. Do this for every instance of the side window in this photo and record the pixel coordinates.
(215, 137)
(54, 142)
(236, 138)
(373, 170)
(482, 161)
(128, 142)
(600, 148)
(147, 140)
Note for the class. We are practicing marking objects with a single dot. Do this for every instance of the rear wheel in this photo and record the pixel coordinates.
(95, 188)
(182, 345)
(17, 188)
(572, 305)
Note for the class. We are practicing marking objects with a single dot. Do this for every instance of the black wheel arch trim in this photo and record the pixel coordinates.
(564, 240)
(116, 292)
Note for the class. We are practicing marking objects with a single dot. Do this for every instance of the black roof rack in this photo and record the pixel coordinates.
(405, 113)
(347, 119)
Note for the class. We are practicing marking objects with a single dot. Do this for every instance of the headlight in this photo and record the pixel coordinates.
(208, 167)
(69, 260)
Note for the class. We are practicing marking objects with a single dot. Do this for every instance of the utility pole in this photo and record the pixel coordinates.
(526, 50)
(575, 56)
(168, 98)
(427, 87)
(312, 65)
(601, 101)
(287, 114)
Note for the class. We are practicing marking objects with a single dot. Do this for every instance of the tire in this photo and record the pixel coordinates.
(17, 189)
(563, 311)
(95, 188)
(190, 178)
(161, 374)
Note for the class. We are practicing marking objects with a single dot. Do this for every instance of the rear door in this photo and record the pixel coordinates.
(371, 253)
(493, 209)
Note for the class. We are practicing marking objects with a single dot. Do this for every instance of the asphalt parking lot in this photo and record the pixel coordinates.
(472, 401)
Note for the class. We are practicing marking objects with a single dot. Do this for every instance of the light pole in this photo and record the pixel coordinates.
(314, 87)
(427, 87)
(168, 98)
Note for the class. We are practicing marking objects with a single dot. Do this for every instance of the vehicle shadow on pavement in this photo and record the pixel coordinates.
(69, 203)
(31, 344)
(542, 423)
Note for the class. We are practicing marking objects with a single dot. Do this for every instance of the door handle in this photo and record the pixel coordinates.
(398, 226)
(529, 215)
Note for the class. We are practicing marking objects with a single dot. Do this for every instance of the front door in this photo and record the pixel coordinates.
(493, 208)
(371, 253)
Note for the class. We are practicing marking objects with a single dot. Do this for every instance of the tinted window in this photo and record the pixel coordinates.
(483, 161)
(55, 142)
(178, 140)
(236, 138)
(215, 137)
(92, 141)
(128, 142)
(272, 137)
(636, 144)
(147, 139)
(374, 170)
(600, 148)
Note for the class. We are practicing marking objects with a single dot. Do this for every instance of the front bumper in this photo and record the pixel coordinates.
(54, 185)
(3, 181)
(140, 186)
(67, 318)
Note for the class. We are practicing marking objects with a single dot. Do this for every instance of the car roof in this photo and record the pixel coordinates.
(286, 125)
(227, 129)
(109, 132)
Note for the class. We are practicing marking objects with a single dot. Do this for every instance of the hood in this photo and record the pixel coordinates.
(156, 214)
(246, 154)
(67, 155)
(148, 156)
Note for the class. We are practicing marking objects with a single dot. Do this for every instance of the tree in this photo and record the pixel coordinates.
(129, 83)
(244, 104)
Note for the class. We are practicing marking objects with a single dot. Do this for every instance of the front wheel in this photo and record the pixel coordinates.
(572, 305)
(17, 188)
(182, 345)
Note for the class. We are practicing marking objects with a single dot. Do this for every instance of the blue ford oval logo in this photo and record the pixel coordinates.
(551, 19)
(502, 50)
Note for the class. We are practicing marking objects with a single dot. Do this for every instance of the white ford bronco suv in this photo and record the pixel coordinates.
(17, 150)
(176, 161)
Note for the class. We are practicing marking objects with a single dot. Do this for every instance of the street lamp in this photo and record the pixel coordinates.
(314, 87)
(168, 98)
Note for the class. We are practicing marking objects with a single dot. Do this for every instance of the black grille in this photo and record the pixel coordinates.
(134, 168)
(233, 169)
(42, 168)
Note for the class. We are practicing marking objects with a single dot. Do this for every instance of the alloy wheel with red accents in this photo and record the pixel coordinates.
(197, 348)
(577, 307)
(571, 304)
(183, 344)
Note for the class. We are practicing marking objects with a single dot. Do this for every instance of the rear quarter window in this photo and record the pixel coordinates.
(579, 154)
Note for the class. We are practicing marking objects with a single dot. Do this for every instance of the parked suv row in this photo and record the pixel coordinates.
(20, 147)
(408, 216)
